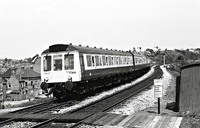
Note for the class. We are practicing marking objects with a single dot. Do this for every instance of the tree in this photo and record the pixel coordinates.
(5, 60)
(150, 50)
(134, 50)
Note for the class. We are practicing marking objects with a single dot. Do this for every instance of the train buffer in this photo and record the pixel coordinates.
(139, 120)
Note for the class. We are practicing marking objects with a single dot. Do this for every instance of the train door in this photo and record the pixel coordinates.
(82, 67)
(133, 60)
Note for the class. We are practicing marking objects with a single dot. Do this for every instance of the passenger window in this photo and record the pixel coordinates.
(104, 60)
(57, 62)
(89, 60)
(107, 60)
(47, 63)
(69, 61)
(117, 60)
(131, 60)
(97, 60)
(112, 61)
(125, 60)
(100, 59)
(120, 60)
(139, 61)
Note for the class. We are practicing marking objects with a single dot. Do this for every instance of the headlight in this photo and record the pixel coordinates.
(69, 78)
(46, 79)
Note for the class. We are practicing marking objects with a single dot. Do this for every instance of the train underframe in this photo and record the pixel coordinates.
(89, 87)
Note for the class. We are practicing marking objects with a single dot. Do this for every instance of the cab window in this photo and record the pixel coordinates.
(57, 62)
(69, 61)
(47, 63)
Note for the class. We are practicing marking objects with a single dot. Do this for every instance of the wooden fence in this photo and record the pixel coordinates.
(188, 96)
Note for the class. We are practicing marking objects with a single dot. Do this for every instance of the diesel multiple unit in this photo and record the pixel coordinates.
(71, 69)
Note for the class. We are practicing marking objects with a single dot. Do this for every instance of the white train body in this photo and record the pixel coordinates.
(54, 75)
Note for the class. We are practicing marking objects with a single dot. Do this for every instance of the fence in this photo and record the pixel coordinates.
(188, 89)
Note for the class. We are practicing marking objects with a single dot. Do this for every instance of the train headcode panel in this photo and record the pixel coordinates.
(158, 88)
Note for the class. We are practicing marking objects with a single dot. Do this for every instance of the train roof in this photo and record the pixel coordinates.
(82, 49)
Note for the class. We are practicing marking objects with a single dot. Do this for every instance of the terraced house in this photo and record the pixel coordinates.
(21, 83)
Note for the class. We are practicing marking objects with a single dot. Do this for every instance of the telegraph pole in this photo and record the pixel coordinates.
(164, 59)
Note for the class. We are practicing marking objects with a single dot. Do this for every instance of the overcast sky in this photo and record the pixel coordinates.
(27, 27)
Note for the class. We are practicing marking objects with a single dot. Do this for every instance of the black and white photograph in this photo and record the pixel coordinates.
(99, 63)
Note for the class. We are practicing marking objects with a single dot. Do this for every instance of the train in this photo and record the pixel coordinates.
(68, 70)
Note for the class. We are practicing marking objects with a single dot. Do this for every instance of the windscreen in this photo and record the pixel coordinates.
(69, 61)
(57, 62)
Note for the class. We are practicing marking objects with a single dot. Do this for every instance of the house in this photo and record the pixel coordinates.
(1, 84)
(2, 70)
(11, 77)
(197, 50)
(22, 83)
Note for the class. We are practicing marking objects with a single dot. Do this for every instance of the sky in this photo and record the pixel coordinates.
(27, 27)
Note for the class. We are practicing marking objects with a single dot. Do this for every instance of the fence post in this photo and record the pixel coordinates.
(177, 93)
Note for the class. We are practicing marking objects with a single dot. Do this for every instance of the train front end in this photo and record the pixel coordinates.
(59, 70)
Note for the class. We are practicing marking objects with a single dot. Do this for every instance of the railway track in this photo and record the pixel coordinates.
(46, 107)
(76, 116)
